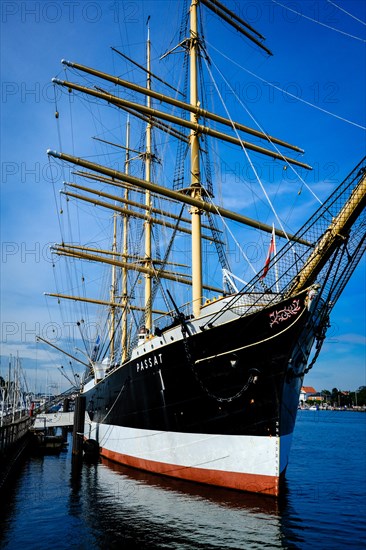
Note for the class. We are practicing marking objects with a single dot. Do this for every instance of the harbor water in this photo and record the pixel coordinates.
(105, 506)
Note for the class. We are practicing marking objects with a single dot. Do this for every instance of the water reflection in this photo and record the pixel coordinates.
(8, 497)
(107, 506)
(126, 506)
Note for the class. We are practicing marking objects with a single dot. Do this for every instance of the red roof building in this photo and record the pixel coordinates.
(308, 389)
(306, 392)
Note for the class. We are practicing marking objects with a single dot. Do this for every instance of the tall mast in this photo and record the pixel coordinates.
(112, 322)
(148, 279)
(125, 254)
(195, 187)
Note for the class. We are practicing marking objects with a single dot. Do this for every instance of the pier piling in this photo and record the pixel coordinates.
(78, 430)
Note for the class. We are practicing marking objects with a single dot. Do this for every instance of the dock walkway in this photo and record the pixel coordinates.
(53, 420)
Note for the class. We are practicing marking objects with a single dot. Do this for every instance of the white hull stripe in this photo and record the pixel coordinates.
(249, 463)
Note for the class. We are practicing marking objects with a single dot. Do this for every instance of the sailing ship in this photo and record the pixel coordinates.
(207, 388)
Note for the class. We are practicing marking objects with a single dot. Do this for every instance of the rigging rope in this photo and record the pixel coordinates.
(242, 145)
(347, 12)
(267, 83)
(318, 22)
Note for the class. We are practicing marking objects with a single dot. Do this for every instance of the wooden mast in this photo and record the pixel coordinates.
(148, 231)
(112, 321)
(124, 346)
(195, 187)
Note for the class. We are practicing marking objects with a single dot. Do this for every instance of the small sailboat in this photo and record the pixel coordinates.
(203, 387)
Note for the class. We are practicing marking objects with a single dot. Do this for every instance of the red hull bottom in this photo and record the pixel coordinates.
(254, 483)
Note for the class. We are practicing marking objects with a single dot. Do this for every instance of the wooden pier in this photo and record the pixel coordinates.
(14, 438)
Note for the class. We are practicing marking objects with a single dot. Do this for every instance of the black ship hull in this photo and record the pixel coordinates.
(185, 401)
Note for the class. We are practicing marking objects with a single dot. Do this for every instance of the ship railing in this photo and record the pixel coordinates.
(244, 304)
(169, 319)
(250, 302)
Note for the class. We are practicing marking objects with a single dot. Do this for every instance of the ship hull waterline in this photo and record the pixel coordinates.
(216, 407)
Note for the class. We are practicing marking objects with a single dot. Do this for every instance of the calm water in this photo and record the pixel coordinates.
(114, 507)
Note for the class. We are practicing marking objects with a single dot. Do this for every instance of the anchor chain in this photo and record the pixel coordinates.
(320, 337)
(204, 388)
(319, 344)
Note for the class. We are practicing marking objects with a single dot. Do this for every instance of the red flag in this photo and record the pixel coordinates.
(271, 251)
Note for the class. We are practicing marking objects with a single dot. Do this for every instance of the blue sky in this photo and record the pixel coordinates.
(319, 56)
